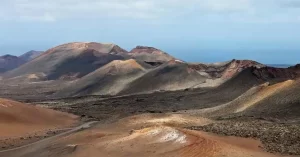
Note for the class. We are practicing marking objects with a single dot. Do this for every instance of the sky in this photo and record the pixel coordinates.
(267, 31)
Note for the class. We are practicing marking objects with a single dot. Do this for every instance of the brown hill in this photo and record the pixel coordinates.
(18, 119)
(264, 92)
(247, 100)
(107, 80)
(9, 62)
(150, 54)
(254, 76)
(173, 75)
(243, 82)
(71, 60)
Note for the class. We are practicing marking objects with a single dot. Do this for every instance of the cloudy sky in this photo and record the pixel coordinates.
(194, 30)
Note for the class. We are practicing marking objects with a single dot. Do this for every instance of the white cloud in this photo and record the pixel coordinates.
(53, 10)
(46, 18)
(49, 10)
(226, 5)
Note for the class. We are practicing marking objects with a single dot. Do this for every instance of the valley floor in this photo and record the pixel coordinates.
(168, 116)
(194, 122)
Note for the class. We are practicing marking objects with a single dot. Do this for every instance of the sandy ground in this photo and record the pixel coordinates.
(138, 136)
(20, 122)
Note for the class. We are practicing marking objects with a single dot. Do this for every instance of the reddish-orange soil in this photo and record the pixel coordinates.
(18, 119)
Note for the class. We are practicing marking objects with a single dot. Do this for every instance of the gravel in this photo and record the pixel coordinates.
(276, 138)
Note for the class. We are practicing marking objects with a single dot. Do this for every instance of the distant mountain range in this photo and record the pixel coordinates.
(10, 62)
(89, 68)
(28, 56)
(147, 103)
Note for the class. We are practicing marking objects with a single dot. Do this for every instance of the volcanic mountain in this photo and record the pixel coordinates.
(150, 54)
(279, 96)
(107, 80)
(9, 62)
(225, 70)
(28, 56)
(96, 68)
(263, 90)
(173, 75)
(253, 76)
(71, 60)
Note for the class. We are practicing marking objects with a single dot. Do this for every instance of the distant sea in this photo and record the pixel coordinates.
(280, 65)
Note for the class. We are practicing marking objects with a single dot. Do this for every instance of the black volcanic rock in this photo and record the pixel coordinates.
(271, 73)
(145, 48)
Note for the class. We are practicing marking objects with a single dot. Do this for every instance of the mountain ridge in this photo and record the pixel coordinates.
(77, 61)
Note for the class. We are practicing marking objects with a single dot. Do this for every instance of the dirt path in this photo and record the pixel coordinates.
(27, 149)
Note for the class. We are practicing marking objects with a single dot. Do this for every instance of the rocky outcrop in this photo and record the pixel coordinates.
(141, 49)
(270, 73)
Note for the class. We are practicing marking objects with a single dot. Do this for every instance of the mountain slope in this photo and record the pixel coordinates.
(247, 100)
(283, 104)
(243, 82)
(71, 60)
(109, 79)
(263, 92)
(173, 75)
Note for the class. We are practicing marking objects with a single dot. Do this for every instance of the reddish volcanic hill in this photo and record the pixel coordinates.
(236, 66)
(71, 60)
(150, 54)
(109, 79)
(18, 119)
(9, 62)
(225, 70)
